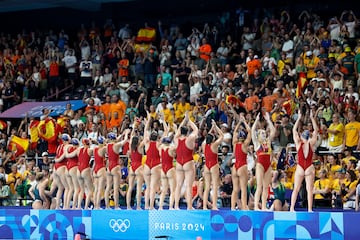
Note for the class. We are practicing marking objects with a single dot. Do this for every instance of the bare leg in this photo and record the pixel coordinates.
(298, 178)
(243, 178)
(74, 172)
(207, 183)
(154, 184)
(101, 180)
(139, 183)
(235, 192)
(215, 170)
(164, 189)
(180, 176)
(265, 188)
(130, 188)
(172, 185)
(88, 186)
(147, 178)
(109, 183)
(309, 179)
(116, 176)
(189, 169)
(259, 174)
(70, 191)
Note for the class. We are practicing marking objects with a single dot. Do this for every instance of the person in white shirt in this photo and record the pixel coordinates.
(70, 62)
(85, 72)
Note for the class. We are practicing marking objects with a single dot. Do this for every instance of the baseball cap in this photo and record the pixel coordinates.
(347, 49)
(44, 154)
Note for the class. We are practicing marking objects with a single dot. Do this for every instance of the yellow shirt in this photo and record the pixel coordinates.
(322, 184)
(336, 139)
(336, 185)
(168, 117)
(311, 64)
(180, 110)
(352, 130)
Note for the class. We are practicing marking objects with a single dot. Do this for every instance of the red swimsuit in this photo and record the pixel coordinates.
(152, 155)
(183, 153)
(84, 159)
(211, 158)
(112, 156)
(72, 162)
(99, 161)
(302, 161)
(240, 156)
(167, 160)
(59, 152)
(136, 159)
(263, 154)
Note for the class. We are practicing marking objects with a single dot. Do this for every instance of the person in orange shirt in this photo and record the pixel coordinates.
(205, 50)
(251, 100)
(105, 110)
(268, 100)
(117, 111)
(54, 79)
(252, 64)
(123, 66)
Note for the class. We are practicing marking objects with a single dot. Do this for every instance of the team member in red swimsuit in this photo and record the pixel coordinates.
(60, 171)
(84, 154)
(210, 148)
(152, 167)
(168, 180)
(239, 171)
(99, 170)
(185, 167)
(304, 168)
(262, 146)
(113, 172)
(136, 169)
(72, 174)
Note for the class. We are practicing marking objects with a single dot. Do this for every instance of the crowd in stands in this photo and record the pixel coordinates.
(281, 65)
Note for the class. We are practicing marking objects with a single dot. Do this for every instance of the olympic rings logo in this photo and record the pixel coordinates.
(119, 225)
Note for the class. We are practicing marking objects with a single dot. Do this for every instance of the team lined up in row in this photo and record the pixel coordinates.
(74, 178)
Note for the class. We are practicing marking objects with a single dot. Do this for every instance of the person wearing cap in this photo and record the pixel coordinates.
(311, 63)
(113, 176)
(304, 144)
(262, 147)
(84, 154)
(239, 171)
(211, 169)
(185, 167)
(168, 173)
(72, 165)
(60, 171)
(152, 167)
(322, 190)
(348, 190)
(44, 161)
(136, 169)
(99, 169)
(347, 62)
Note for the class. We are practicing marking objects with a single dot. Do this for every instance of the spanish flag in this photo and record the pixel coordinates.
(61, 121)
(302, 82)
(34, 133)
(18, 145)
(48, 129)
(3, 125)
(146, 35)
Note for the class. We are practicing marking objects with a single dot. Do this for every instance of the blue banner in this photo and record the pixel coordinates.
(181, 224)
(15, 224)
(34, 109)
(120, 224)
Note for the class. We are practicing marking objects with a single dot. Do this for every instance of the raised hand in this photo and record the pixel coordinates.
(267, 116)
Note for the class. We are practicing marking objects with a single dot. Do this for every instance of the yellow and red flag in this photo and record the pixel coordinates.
(18, 145)
(302, 82)
(3, 125)
(146, 35)
(48, 129)
(34, 133)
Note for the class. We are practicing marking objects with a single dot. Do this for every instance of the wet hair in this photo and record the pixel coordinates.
(184, 130)
(209, 138)
(153, 136)
(134, 143)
